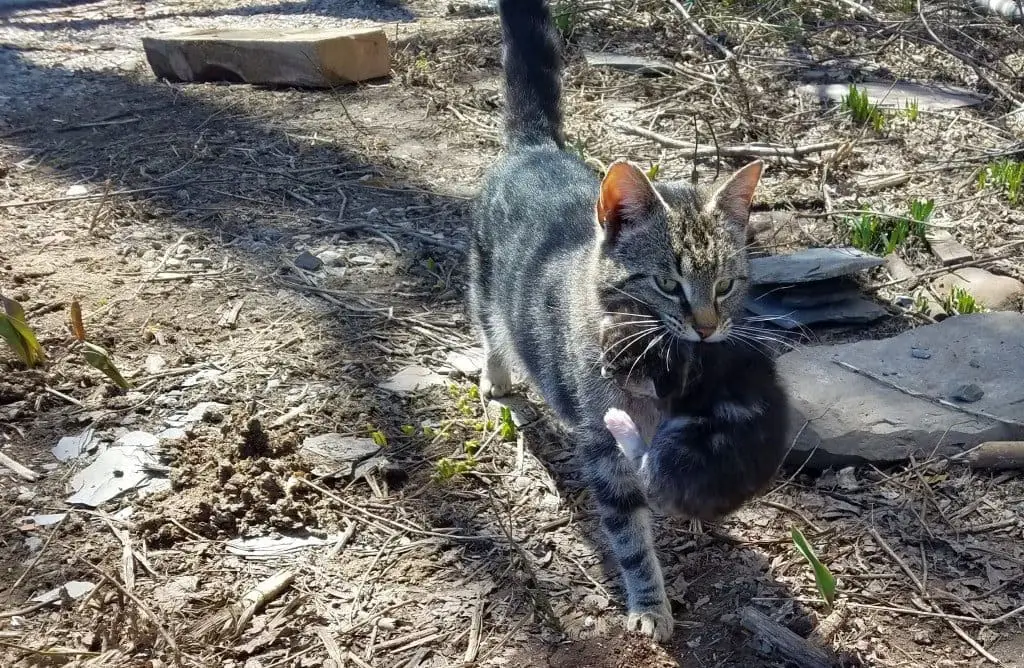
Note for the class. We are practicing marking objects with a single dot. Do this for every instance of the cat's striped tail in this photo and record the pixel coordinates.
(533, 66)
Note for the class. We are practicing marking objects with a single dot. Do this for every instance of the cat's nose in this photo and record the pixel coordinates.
(704, 332)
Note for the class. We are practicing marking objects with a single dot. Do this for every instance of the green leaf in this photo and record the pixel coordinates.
(653, 172)
(822, 575)
(99, 358)
(18, 335)
(508, 425)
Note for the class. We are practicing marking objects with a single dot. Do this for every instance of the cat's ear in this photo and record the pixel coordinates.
(626, 197)
(734, 197)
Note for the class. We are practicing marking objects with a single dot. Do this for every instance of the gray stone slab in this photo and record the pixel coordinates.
(627, 63)
(854, 311)
(841, 417)
(809, 295)
(813, 264)
(984, 349)
(885, 94)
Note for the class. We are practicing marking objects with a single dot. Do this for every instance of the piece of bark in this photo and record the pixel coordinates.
(947, 249)
(309, 58)
(996, 455)
(787, 644)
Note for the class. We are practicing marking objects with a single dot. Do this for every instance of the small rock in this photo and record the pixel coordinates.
(69, 447)
(466, 362)
(362, 259)
(332, 258)
(846, 479)
(137, 439)
(333, 454)
(307, 261)
(74, 590)
(921, 353)
(155, 364)
(77, 190)
(173, 435)
(410, 379)
(207, 411)
(968, 393)
(999, 293)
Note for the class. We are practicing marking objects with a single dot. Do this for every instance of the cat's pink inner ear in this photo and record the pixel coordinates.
(735, 197)
(626, 193)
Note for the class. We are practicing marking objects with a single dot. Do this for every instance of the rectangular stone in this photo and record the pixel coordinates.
(310, 58)
(947, 249)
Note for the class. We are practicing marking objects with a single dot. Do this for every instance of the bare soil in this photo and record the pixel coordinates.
(163, 208)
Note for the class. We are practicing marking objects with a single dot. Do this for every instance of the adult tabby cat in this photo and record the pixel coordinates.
(554, 249)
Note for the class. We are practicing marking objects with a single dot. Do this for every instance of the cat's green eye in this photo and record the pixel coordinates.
(724, 286)
(666, 285)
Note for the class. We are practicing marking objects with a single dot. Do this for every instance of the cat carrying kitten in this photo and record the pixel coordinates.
(726, 434)
(555, 249)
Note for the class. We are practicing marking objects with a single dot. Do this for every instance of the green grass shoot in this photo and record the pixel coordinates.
(862, 110)
(961, 302)
(822, 575)
(874, 233)
(911, 110)
(18, 335)
(1007, 176)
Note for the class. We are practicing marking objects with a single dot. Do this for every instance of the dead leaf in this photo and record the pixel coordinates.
(77, 326)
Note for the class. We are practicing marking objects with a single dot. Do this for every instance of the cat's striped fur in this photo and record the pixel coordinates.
(555, 249)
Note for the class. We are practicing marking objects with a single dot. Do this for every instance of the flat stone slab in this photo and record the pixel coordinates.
(809, 295)
(929, 97)
(853, 311)
(627, 63)
(411, 379)
(813, 264)
(842, 417)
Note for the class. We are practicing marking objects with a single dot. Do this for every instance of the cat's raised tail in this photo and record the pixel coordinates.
(533, 67)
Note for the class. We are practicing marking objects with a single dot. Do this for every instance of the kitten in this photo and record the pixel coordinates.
(555, 248)
(725, 436)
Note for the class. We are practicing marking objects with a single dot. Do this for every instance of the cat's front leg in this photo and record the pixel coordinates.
(626, 520)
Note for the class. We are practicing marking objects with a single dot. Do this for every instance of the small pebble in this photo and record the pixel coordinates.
(968, 393)
(308, 261)
(920, 353)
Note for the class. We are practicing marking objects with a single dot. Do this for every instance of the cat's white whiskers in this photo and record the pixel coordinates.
(627, 341)
(653, 343)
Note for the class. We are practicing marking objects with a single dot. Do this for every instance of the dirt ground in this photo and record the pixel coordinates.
(175, 215)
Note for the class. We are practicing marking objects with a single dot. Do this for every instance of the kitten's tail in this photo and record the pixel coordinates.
(533, 67)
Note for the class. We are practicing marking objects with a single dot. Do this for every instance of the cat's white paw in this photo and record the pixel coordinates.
(491, 388)
(656, 623)
(626, 434)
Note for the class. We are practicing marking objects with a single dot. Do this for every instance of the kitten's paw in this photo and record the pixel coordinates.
(492, 388)
(656, 623)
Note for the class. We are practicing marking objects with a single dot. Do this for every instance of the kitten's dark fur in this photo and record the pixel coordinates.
(555, 249)
(725, 435)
